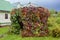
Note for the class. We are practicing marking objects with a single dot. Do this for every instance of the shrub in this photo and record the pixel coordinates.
(58, 21)
(16, 22)
(56, 32)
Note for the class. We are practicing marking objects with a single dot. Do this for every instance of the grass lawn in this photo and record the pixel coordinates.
(18, 37)
(15, 37)
(3, 30)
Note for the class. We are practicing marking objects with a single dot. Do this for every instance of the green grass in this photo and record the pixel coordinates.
(18, 37)
(4, 30)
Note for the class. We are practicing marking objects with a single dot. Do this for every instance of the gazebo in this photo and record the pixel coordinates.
(31, 20)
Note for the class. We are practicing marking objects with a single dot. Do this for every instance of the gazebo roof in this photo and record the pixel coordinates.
(31, 5)
(19, 5)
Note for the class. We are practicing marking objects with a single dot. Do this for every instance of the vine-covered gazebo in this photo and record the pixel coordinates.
(30, 21)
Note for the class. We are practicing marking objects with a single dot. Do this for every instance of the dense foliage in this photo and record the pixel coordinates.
(31, 20)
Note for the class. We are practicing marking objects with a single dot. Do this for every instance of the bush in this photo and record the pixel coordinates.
(56, 32)
(58, 21)
(16, 27)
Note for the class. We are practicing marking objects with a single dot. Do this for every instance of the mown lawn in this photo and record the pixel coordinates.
(15, 37)
(3, 30)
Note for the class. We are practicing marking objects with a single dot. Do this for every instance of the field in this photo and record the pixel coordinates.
(51, 23)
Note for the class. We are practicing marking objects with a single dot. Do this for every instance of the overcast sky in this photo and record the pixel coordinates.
(50, 4)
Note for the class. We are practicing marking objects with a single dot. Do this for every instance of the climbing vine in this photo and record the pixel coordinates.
(31, 21)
